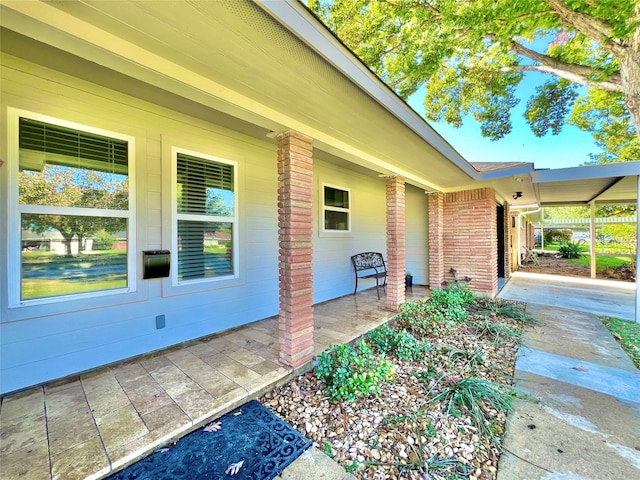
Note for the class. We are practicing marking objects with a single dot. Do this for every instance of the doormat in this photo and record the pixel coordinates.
(248, 443)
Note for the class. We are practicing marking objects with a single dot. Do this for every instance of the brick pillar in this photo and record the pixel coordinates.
(396, 251)
(507, 240)
(295, 236)
(436, 240)
(471, 238)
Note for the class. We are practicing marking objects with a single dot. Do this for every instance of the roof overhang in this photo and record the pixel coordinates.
(256, 68)
(615, 183)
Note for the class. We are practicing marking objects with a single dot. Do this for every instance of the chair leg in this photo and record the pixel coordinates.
(356, 289)
(377, 290)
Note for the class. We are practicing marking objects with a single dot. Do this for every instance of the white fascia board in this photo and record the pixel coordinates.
(518, 170)
(624, 169)
(298, 20)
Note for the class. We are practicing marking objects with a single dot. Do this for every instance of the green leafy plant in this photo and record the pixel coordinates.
(475, 396)
(350, 372)
(570, 250)
(327, 449)
(401, 344)
(452, 303)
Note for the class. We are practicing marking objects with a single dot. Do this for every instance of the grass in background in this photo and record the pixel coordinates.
(601, 262)
(627, 334)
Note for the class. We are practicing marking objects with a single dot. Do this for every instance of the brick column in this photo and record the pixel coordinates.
(295, 236)
(436, 240)
(471, 238)
(396, 251)
(507, 240)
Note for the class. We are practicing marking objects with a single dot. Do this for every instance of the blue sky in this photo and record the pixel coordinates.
(568, 149)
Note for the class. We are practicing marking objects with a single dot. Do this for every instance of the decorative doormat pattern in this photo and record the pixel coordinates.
(250, 434)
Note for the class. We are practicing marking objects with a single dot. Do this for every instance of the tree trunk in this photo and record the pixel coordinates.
(630, 72)
(67, 245)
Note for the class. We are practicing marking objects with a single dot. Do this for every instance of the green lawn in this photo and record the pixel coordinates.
(602, 262)
(627, 334)
(41, 288)
(608, 249)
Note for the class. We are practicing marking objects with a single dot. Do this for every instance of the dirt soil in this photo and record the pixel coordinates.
(551, 264)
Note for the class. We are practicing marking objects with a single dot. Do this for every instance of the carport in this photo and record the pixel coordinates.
(612, 184)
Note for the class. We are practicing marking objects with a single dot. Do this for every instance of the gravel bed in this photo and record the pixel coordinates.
(403, 433)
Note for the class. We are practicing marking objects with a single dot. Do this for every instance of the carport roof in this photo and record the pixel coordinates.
(612, 183)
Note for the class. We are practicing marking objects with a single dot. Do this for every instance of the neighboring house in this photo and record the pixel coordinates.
(246, 125)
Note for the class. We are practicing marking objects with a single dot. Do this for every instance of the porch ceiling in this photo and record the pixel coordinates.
(615, 183)
(233, 63)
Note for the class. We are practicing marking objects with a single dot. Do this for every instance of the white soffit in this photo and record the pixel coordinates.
(611, 183)
(235, 57)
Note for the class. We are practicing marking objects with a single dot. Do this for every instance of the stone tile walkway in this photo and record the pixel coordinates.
(94, 424)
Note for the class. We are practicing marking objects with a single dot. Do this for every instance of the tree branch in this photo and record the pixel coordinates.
(573, 72)
(589, 26)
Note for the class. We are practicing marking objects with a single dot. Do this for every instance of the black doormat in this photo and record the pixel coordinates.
(250, 440)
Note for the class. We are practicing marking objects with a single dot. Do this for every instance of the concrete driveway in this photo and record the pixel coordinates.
(579, 415)
(602, 297)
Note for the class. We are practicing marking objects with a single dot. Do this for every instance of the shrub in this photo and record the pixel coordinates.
(103, 240)
(570, 250)
(476, 396)
(402, 344)
(557, 235)
(452, 303)
(350, 372)
(415, 317)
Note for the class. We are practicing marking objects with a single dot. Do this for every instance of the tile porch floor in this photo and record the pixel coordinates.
(89, 426)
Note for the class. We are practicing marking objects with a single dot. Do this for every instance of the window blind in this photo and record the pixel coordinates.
(70, 147)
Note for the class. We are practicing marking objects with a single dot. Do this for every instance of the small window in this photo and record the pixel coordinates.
(206, 218)
(74, 214)
(336, 209)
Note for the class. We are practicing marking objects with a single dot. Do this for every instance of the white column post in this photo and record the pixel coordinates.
(637, 319)
(592, 235)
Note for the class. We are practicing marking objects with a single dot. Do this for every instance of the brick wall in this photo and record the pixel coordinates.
(507, 240)
(295, 236)
(469, 239)
(396, 249)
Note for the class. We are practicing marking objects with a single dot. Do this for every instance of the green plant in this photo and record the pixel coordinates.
(473, 357)
(500, 330)
(556, 235)
(475, 396)
(415, 317)
(452, 303)
(401, 344)
(505, 308)
(570, 250)
(327, 449)
(350, 372)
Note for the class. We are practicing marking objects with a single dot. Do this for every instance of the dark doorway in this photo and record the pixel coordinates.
(500, 215)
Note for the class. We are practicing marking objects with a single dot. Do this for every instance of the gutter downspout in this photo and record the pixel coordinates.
(519, 215)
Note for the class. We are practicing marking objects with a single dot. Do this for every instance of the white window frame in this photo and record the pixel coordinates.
(175, 282)
(325, 208)
(16, 210)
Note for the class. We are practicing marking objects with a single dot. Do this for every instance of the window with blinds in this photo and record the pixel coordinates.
(73, 198)
(206, 217)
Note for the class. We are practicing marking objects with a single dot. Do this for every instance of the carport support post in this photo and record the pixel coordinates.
(637, 251)
(592, 235)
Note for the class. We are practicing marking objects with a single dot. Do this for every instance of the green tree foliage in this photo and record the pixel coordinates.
(71, 187)
(471, 55)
